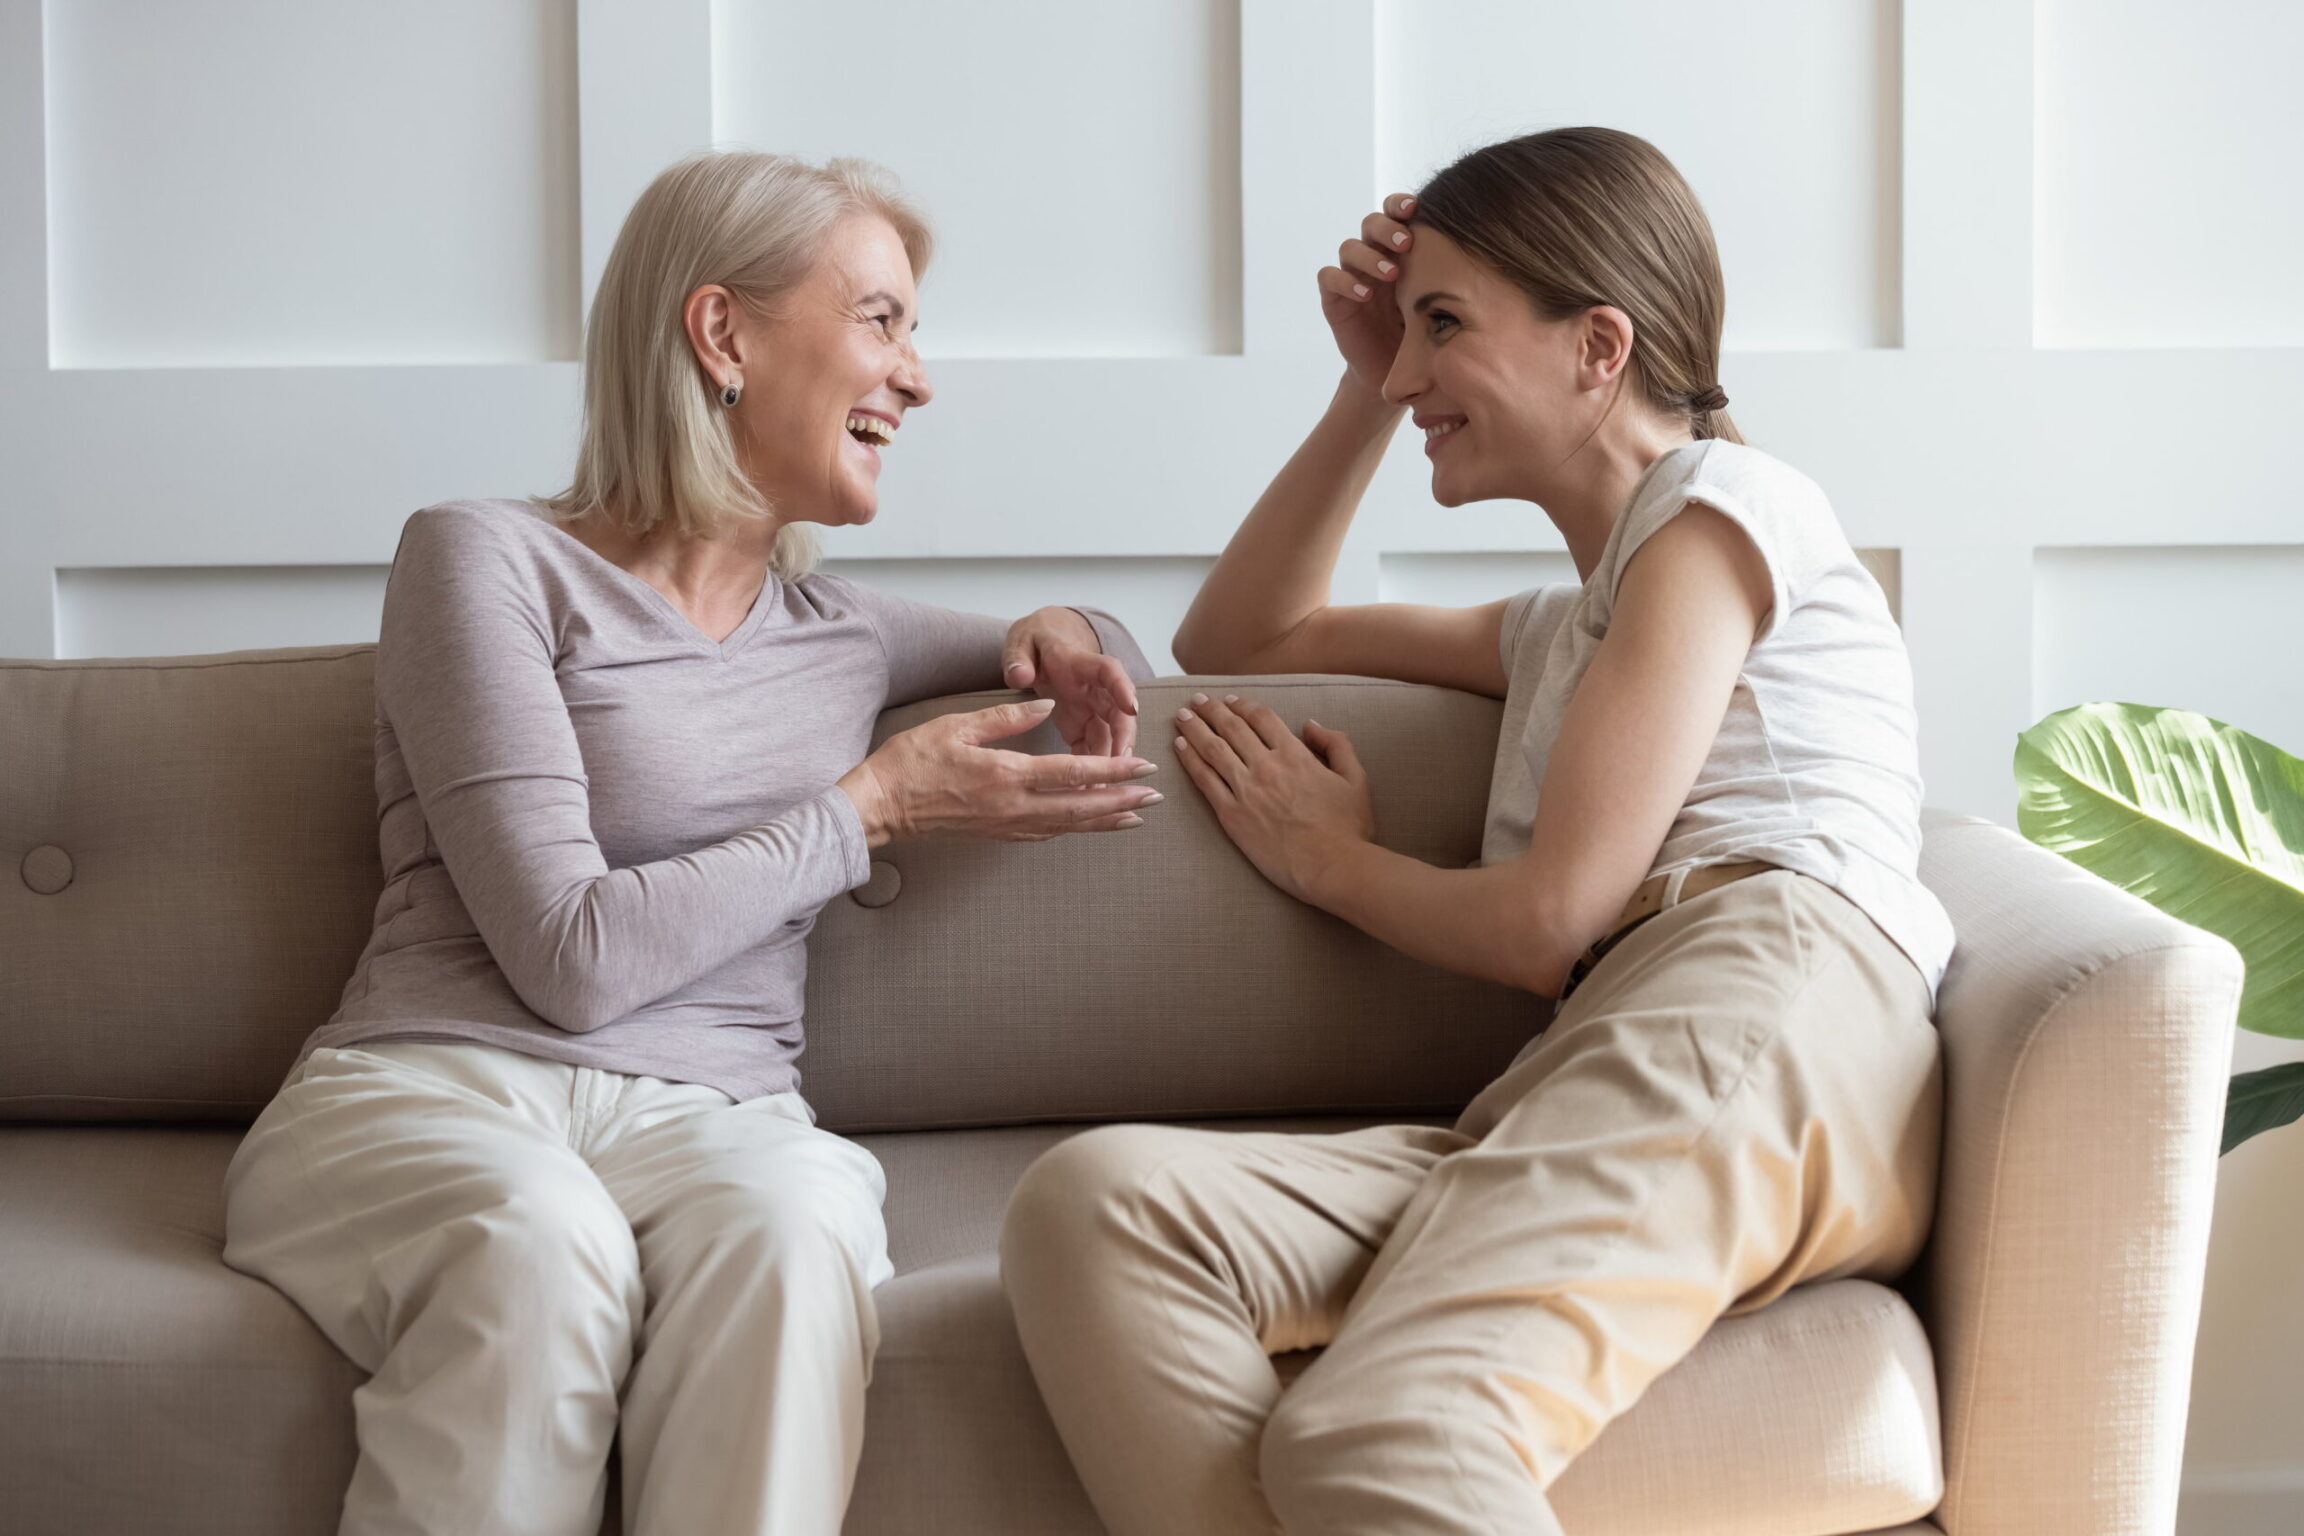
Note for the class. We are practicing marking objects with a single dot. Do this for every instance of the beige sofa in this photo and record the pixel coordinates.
(187, 864)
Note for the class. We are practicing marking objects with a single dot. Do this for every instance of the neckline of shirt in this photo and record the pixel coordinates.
(666, 609)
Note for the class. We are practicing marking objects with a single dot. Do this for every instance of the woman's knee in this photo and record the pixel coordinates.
(1073, 1192)
(542, 1236)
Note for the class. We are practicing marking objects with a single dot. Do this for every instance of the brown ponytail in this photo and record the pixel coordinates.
(1583, 216)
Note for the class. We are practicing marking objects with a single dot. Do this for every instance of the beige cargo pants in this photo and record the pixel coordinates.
(1744, 1096)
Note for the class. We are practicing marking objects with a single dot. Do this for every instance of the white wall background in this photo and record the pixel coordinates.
(2015, 279)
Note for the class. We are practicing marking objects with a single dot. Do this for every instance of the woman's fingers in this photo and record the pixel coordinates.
(1260, 718)
(1019, 663)
(1213, 750)
(1358, 256)
(1382, 232)
(1341, 284)
(1335, 749)
(1000, 721)
(1047, 774)
(1401, 205)
(1227, 723)
(1207, 780)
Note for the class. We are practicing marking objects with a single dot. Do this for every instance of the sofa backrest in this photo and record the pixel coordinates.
(188, 871)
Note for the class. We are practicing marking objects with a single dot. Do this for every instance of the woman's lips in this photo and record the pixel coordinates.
(1440, 432)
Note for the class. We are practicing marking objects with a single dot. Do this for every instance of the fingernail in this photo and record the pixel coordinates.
(1400, 240)
(1130, 820)
(1150, 797)
(1359, 290)
(1385, 269)
(1183, 714)
(1182, 745)
(1231, 698)
(1199, 698)
(1144, 770)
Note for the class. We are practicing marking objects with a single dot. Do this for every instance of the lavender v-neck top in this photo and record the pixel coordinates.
(605, 837)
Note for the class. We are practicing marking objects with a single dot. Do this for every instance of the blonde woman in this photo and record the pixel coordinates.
(547, 1172)
(1702, 840)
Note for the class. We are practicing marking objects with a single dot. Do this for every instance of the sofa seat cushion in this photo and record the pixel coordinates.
(1815, 1415)
(144, 1386)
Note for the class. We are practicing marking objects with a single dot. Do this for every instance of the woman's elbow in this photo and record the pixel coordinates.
(566, 997)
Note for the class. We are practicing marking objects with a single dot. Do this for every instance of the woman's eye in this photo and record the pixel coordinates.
(881, 321)
(1440, 319)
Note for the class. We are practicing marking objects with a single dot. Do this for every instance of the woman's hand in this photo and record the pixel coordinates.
(1356, 295)
(1054, 653)
(1292, 806)
(941, 780)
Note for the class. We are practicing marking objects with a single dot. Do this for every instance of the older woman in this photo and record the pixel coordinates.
(549, 1159)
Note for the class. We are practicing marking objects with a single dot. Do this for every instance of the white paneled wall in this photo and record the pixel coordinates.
(269, 184)
(2011, 278)
(1783, 115)
(1082, 161)
(2169, 142)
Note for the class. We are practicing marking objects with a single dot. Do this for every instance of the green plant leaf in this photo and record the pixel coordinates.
(2202, 820)
(2263, 1101)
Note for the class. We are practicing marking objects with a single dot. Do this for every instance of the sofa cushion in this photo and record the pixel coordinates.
(144, 1386)
(1814, 1415)
(1157, 975)
(188, 869)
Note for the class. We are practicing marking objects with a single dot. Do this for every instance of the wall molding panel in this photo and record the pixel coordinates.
(2064, 482)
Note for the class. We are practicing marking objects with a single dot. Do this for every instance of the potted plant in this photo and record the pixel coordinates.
(2204, 821)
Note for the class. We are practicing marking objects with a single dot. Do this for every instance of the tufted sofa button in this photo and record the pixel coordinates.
(881, 889)
(47, 869)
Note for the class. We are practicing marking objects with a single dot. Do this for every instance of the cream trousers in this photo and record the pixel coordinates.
(512, 1248)
(1743, 1096)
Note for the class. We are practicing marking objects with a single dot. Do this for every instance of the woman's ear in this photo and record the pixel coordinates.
(1606, 345)
(710, 319)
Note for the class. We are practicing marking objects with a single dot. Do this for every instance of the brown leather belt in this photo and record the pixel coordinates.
(1657, 893)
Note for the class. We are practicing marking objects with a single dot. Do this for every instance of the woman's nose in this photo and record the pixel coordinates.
(911, 380)
(1405, 381)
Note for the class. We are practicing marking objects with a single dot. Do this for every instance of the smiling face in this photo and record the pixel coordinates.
(1504, 395)
(828, 377)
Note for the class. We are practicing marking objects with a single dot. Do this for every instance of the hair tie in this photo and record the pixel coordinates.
(1708, 399)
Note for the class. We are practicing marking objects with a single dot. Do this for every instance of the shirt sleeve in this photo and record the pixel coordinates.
(1781, 520)
(936, 651)
(464, 675)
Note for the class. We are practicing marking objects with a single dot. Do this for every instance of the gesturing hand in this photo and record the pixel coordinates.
(1290, 805)
(1357, 297)
(1054, 653)
(942, 780)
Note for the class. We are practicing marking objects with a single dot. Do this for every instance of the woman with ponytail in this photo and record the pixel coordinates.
(1701, 850)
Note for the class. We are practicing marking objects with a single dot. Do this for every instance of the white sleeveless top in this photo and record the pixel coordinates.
(1816, 768)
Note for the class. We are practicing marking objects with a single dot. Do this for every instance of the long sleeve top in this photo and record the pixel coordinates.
(606, 837)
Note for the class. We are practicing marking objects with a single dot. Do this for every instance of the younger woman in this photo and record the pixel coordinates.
(1705, 846)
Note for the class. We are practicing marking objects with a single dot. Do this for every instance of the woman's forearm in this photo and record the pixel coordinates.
(1487, 922)
(1274, 574)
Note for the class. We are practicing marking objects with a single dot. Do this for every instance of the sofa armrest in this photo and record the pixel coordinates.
(2087, 1041)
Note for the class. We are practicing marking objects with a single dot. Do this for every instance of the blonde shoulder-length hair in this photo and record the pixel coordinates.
(658, 449)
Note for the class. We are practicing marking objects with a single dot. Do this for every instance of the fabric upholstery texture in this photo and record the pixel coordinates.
(1155, 973)
(2087, 1040)
(145, 1387)
(219, 813)
(213, 870)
